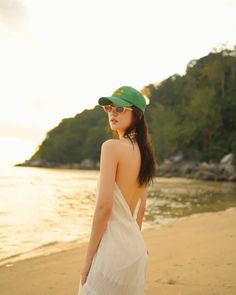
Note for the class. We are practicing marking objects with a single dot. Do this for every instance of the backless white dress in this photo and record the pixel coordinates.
(119, 265)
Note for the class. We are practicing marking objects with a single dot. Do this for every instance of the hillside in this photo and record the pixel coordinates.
(193, 114)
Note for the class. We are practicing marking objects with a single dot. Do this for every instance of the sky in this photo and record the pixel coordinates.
(58, 57)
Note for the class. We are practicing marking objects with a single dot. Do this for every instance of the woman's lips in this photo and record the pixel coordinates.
(113, 121)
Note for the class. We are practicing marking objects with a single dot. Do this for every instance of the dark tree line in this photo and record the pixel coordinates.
(194, 113)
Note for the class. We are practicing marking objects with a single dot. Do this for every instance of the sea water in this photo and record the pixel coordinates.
(43, 210)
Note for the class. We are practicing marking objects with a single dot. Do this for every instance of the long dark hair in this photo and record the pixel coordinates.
(139, 128)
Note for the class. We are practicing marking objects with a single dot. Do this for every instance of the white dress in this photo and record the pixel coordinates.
(120, 263)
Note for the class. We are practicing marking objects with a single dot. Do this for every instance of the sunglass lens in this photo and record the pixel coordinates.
(119, 109)
(107, 108)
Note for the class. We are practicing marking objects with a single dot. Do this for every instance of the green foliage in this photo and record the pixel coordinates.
(75, 139)
(193, 113)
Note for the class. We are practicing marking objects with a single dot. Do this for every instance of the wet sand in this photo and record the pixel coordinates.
(195, 255)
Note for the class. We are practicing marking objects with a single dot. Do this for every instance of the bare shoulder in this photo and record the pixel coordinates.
(110, 146)
(110, 143)
(115, 145)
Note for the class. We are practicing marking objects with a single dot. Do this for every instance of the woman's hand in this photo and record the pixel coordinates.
(85, 272)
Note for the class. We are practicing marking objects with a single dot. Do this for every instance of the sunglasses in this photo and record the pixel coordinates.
(108, 108)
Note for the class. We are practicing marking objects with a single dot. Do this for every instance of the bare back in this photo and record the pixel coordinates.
(127, 173)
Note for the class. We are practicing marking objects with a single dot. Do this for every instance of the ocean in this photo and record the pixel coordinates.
(43, 210)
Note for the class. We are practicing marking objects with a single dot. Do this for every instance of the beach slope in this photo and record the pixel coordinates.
(191, 256)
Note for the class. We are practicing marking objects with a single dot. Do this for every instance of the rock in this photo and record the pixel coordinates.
(204, 166)
(87, 164)
(187, 167)
(211, 167)
(167, 162)
(232, 177)
(174, 167)
(75, 166)
(229, 169)
(163, 168)
(177, 157)
(204, 175)
(228, 159)
(34, 163)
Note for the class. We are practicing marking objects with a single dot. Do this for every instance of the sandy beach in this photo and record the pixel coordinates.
(191, 256)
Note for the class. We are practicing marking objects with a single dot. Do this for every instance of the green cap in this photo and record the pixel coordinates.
(125, 96)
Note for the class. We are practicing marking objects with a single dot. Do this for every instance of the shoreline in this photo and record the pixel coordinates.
(174, 166)
(57, 247)
(191, 255)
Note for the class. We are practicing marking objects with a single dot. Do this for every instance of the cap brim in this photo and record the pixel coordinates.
(114, 99)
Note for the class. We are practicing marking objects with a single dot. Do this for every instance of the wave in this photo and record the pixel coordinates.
(42, 250)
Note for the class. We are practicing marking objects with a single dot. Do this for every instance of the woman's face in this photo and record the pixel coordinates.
(119, 121)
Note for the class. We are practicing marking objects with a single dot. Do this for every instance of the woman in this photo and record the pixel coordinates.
(117, 256)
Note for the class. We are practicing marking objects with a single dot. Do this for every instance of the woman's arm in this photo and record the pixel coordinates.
(100, 219)
(142, 208)
(108, 166)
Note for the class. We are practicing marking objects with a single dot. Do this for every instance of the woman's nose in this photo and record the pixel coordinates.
(113, 112)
